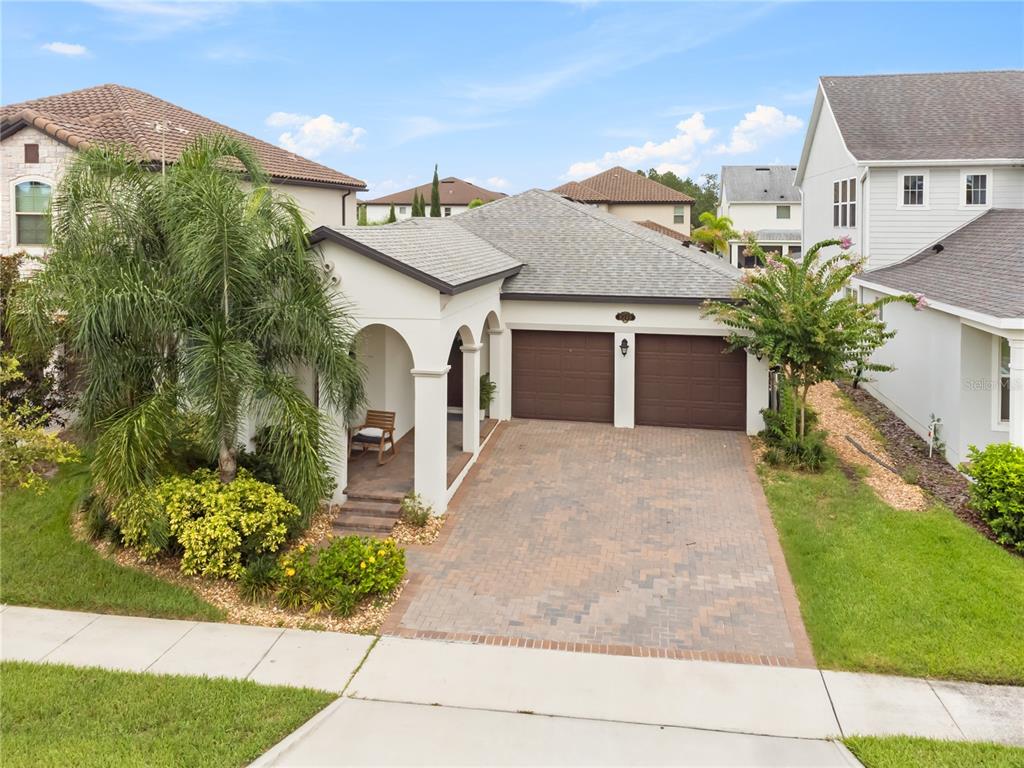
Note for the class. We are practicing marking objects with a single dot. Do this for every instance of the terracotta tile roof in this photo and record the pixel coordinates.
(453, 192)
(619, 185)
(116, 114)
(667, 231)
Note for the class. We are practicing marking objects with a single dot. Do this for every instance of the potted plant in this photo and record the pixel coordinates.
(487, 390)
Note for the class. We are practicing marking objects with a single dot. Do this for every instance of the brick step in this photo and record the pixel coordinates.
(385, 509)
(385, 496)
(348, 529)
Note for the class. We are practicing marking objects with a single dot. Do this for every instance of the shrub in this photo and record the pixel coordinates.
(809, 452)
(998, 490)
(218, 527)
(414, 511)
(337, 577)
(260, 578)
(96, 516)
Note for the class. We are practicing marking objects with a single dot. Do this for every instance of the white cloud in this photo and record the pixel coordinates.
(497, 182)
(312, 136)
(66, 49)
(158, 19)
(675, 154)
(759, 127)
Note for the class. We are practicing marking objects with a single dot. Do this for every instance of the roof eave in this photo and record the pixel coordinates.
(999, 323)
(607, 299)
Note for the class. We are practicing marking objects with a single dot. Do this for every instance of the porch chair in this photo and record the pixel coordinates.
(376, 431)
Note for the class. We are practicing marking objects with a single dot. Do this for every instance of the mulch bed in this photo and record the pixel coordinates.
(909, 453)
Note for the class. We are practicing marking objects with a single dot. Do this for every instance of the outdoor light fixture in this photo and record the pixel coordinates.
(624, 347)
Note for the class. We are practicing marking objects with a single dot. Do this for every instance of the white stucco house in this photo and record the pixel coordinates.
(636, 198)
(578, 316)
(455, 196)
(38, 137)
(925, 173)
(764, 200)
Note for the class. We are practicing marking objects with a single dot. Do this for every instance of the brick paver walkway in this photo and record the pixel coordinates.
(585, 536)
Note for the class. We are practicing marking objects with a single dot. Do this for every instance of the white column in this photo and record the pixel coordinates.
(431, 437)
(625, 380)
(335, 422)
(471, 397)
(495, 367)
(1017, 391)
(501, 372)
(757, 393)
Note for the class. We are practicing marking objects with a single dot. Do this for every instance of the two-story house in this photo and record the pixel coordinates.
(455, 196)
(925, 173)
(38, 137)
(763, 200)
(630, 196)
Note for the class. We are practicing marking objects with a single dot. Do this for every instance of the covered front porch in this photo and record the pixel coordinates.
(393, 480)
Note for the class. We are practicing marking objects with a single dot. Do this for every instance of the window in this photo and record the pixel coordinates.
(795, 251)
(844, 203)
(975, 189)
(913, 190)
(447, 211)
(781, 211)
(31, 206)
(679, 214)
(401, 209)
(31, 153)
(1004, 380)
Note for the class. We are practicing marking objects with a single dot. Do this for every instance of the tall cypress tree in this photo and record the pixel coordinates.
(391, 215)
(435, 195)
(417, 203)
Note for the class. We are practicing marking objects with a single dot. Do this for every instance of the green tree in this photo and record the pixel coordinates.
(191, 295)
(715, 231)
(705, 193)
(435, 195)
(795, 315)
(391, 215)
(417, 204)
(361, 216)
(476, 202)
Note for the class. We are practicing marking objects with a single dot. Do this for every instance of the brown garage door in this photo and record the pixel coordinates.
(563, 375)
(687, 381)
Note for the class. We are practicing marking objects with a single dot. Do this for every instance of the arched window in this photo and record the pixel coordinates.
(32, 208)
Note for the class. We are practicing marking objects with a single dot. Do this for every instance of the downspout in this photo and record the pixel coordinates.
(343, 199)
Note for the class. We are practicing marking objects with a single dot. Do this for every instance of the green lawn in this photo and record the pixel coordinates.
(131, 719)
(911, 593)
(905, 752)
(42, 564)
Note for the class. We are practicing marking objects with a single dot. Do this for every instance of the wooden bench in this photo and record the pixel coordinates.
(376, 432)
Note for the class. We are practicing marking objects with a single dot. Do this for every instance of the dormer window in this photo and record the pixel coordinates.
(976, 189)
(912, 189)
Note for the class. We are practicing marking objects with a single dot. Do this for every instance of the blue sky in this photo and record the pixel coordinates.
(510, 95)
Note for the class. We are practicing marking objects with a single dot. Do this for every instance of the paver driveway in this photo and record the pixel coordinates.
(569, 535)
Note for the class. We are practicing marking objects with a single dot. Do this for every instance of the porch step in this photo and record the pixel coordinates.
(390, 497)
(366, 515)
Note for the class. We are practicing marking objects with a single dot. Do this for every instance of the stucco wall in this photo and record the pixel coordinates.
(53, 157)
(828, 161)
(322, 206)
(380, 212)
(389, 382)
(754, 216)
(660, 213)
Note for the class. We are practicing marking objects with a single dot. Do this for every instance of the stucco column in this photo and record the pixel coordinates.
(625, 380)
(1017, 391)
(757, 393)
(430, 478)
(501, 372)
(471, 397)
(338, 464)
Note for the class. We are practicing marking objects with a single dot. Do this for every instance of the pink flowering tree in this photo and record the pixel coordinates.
(795, 314)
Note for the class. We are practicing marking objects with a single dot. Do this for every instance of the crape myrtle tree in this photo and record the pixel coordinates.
(191, 295)
(795, 314)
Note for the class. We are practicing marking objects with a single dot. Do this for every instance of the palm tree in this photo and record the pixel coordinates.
(715, 231)
(192, 295)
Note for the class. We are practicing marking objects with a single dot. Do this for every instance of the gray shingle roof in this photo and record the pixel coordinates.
(980, 267)
(779, 235)
(432, 250)
(575, 250)
(939, 116)
(760, 183)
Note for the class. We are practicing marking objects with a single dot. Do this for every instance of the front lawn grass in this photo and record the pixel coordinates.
(42, 564)
(908, 593)
(60, 716)
(906, 752)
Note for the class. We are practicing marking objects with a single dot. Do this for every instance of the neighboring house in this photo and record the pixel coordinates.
(633, 197)
(926, 174)
(38, 137)
(764, 200)
(550, 312)
(455, 194)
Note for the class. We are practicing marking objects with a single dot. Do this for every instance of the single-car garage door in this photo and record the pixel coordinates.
(563, 375)
(689, 381)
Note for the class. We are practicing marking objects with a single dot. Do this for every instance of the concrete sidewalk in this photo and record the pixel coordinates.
(525, 705)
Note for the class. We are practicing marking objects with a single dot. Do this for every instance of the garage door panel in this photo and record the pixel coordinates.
(563, 375)
(689, 381)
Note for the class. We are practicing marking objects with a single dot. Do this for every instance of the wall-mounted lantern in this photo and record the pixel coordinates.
(624, 347)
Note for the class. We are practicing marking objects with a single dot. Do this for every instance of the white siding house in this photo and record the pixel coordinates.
(925, 173)
(762, 200)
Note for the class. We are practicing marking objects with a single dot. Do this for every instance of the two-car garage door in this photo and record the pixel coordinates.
(680, 381)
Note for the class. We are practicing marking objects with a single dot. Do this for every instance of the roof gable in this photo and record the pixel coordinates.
(453, 191)
(115, 114)
(619, 185)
